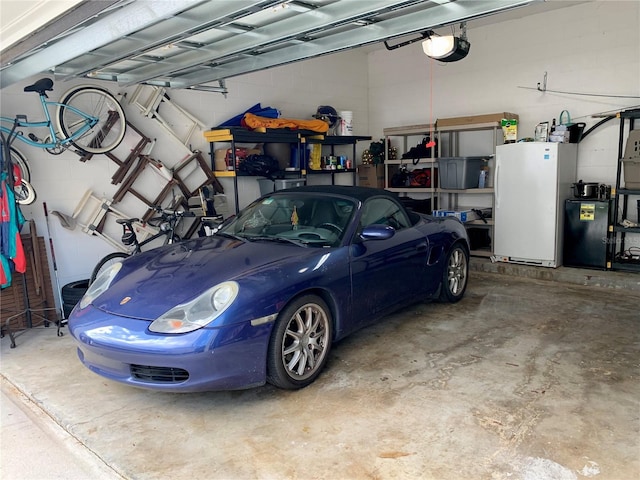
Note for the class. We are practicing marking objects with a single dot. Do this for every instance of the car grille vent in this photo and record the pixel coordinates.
(149, 374)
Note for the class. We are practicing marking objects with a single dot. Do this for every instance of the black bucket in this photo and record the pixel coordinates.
(575, 132)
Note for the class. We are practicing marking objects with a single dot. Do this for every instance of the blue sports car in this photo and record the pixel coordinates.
(264, 297)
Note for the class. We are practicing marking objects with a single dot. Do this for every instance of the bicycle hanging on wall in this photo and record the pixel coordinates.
(88, 118)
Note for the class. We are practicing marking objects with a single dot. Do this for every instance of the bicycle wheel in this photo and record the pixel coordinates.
(105, 263)
(20, 160)
(107, 133)
(24, 193)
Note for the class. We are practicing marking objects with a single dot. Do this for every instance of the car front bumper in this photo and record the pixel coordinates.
(122, 349)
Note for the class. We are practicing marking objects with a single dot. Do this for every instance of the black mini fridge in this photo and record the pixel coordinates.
(586, 233)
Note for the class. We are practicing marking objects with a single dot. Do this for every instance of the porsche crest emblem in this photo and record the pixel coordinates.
(125, 300)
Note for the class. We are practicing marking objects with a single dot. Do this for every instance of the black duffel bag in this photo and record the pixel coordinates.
(259, 165)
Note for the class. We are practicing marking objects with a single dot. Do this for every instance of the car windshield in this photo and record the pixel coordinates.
(289, 217)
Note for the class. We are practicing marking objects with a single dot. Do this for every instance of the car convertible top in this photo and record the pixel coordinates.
(358, 193)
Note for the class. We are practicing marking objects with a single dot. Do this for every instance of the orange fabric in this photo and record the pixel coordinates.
(253, 121)
(4, 275)
(20, 260)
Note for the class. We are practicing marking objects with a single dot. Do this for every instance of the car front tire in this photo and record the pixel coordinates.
(455, 274)
(300, 343)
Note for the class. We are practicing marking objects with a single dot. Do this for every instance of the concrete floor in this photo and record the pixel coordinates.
(34, 447)
(524, 379)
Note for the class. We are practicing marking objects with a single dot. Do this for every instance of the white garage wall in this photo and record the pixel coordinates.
(296, 90)
(586, 48)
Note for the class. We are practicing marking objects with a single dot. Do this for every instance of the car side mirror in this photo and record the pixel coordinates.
(377, 232)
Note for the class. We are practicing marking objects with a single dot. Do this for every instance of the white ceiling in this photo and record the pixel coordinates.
(199, 43)
(19, 18)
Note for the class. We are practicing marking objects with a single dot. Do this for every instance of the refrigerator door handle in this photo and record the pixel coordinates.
(496, 183)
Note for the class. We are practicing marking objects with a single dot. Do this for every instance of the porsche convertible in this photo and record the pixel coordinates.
(263, 298)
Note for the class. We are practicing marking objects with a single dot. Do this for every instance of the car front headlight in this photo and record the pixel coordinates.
(100, 284)
(197, 313)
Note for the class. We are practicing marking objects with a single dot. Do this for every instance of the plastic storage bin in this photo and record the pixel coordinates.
(267, 185)
(282, 183)
(459, 173)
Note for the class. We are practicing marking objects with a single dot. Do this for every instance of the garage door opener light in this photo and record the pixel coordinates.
(447, 48)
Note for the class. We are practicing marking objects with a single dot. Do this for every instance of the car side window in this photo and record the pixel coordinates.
(383, 211)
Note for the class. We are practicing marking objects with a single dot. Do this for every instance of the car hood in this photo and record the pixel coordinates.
(151, 283)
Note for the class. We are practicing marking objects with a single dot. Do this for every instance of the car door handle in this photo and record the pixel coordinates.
(421, 247)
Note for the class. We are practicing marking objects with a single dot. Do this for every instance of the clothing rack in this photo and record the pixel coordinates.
(16, 301)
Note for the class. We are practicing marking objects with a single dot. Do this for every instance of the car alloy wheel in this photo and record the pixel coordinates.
(300, 343)
(456, 273)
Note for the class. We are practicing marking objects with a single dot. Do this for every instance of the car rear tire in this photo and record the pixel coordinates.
(455, 274)
(300, 343)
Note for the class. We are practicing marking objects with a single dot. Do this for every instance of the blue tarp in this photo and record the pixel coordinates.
(267, 112)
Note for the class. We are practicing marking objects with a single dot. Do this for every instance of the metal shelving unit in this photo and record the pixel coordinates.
(449, 136)
(413, 132)
(619, 233)
(237, 135)
(333, 141)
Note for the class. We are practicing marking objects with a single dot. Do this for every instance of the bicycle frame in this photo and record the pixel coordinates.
(169, 233)
(138, 245)
(89, 122)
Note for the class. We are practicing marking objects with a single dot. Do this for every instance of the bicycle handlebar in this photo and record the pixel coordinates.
(168, 215)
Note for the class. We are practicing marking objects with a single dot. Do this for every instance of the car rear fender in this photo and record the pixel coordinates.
(443, 233)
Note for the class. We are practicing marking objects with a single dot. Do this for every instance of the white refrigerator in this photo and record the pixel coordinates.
(532, 182)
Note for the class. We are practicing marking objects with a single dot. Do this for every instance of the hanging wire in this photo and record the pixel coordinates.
(432, 141)
(579, 93)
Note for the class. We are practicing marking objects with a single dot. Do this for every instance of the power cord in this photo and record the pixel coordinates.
(630, 255)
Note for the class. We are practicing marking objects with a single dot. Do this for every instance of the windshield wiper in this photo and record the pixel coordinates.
(297, 242)
(231, 235)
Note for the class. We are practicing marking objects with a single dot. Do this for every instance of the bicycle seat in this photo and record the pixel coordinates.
(123, 221)
(41, 86)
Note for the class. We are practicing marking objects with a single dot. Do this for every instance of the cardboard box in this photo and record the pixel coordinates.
(220, 160)
(463, 216)
(371, 175)
(467, 215)
(473, 119)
